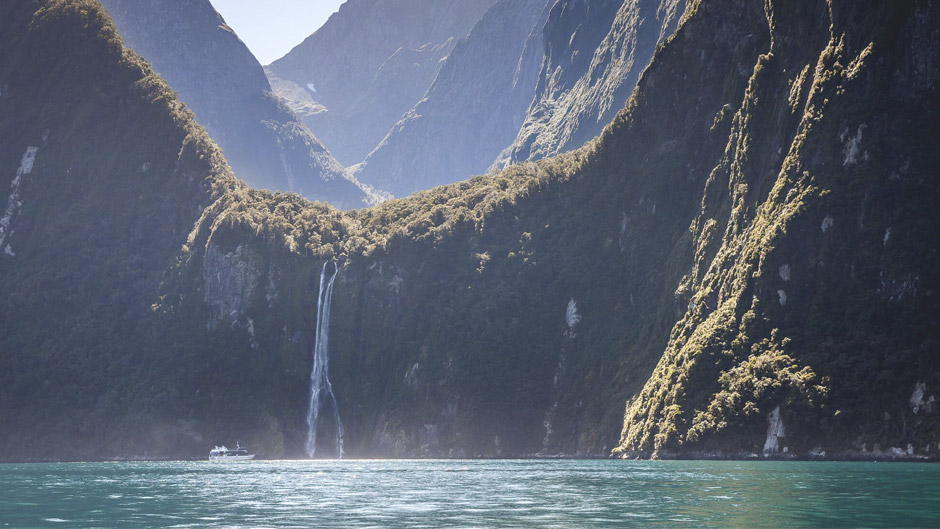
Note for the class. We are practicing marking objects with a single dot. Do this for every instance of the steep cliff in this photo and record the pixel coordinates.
(357, 75)
(594, 52)
(532, 79)
(811, 327)
(471, 111)
(106, 173)
(214, 73)
(761, 210)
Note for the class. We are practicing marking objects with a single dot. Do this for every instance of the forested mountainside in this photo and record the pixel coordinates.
(473, 108)
(744, 257)
(199, 56)
(104, 174)
(373, 60)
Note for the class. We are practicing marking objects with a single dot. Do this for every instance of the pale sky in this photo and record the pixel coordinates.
(270, 28)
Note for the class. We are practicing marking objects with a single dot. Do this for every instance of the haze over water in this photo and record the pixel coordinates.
(487, 493)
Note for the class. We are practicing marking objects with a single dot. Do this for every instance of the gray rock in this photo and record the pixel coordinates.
(472, 110)
(532, 79)
(372, 61)
(594, 54)
(231, 280)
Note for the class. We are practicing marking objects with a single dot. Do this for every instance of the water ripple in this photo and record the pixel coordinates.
(555, 493)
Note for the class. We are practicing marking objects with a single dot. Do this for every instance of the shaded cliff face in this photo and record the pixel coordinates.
(103, 174)
(472, 110)
(760, 210)
(372, 61)
(594, 53)
(812, 296)
(214, 73)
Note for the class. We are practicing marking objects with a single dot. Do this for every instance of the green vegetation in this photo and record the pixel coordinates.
(793, 307)
(156, 305)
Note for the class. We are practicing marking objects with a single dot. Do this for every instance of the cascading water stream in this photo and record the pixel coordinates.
(320, 387)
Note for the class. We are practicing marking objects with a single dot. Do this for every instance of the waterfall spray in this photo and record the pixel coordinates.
(320, 387)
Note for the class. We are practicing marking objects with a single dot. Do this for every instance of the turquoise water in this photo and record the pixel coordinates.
(489, 493)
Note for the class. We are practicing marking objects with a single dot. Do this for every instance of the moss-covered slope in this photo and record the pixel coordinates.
(812, 324)
(103, 174)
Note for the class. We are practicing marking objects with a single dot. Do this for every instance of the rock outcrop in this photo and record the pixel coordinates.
(594, 54)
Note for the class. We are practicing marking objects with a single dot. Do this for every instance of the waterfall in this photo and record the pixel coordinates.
(320, 387)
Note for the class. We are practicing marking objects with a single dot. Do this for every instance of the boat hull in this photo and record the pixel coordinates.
(232, 458)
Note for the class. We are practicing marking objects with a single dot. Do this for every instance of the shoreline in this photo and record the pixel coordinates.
(849, 458)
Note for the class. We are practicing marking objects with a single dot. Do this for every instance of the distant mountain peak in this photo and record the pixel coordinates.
(213, 71)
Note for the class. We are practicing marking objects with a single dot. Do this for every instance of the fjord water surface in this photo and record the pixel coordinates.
(464, 493)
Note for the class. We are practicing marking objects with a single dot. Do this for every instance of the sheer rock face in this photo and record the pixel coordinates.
(372, 61)
(532, 79)
(801, 295)
(594, 53)
(191, 47)
(472, 110)
(231, 280)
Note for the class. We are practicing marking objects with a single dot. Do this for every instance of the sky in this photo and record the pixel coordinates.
(270, 28)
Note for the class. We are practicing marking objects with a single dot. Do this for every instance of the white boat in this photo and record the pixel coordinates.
(221, 453)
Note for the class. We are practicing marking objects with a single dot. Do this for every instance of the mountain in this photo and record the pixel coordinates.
(811, 299)
(473, 108)
(214, 73)
(594, 53)
(531, 80)
(353, 78)
(744, 258)
(104, 174)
